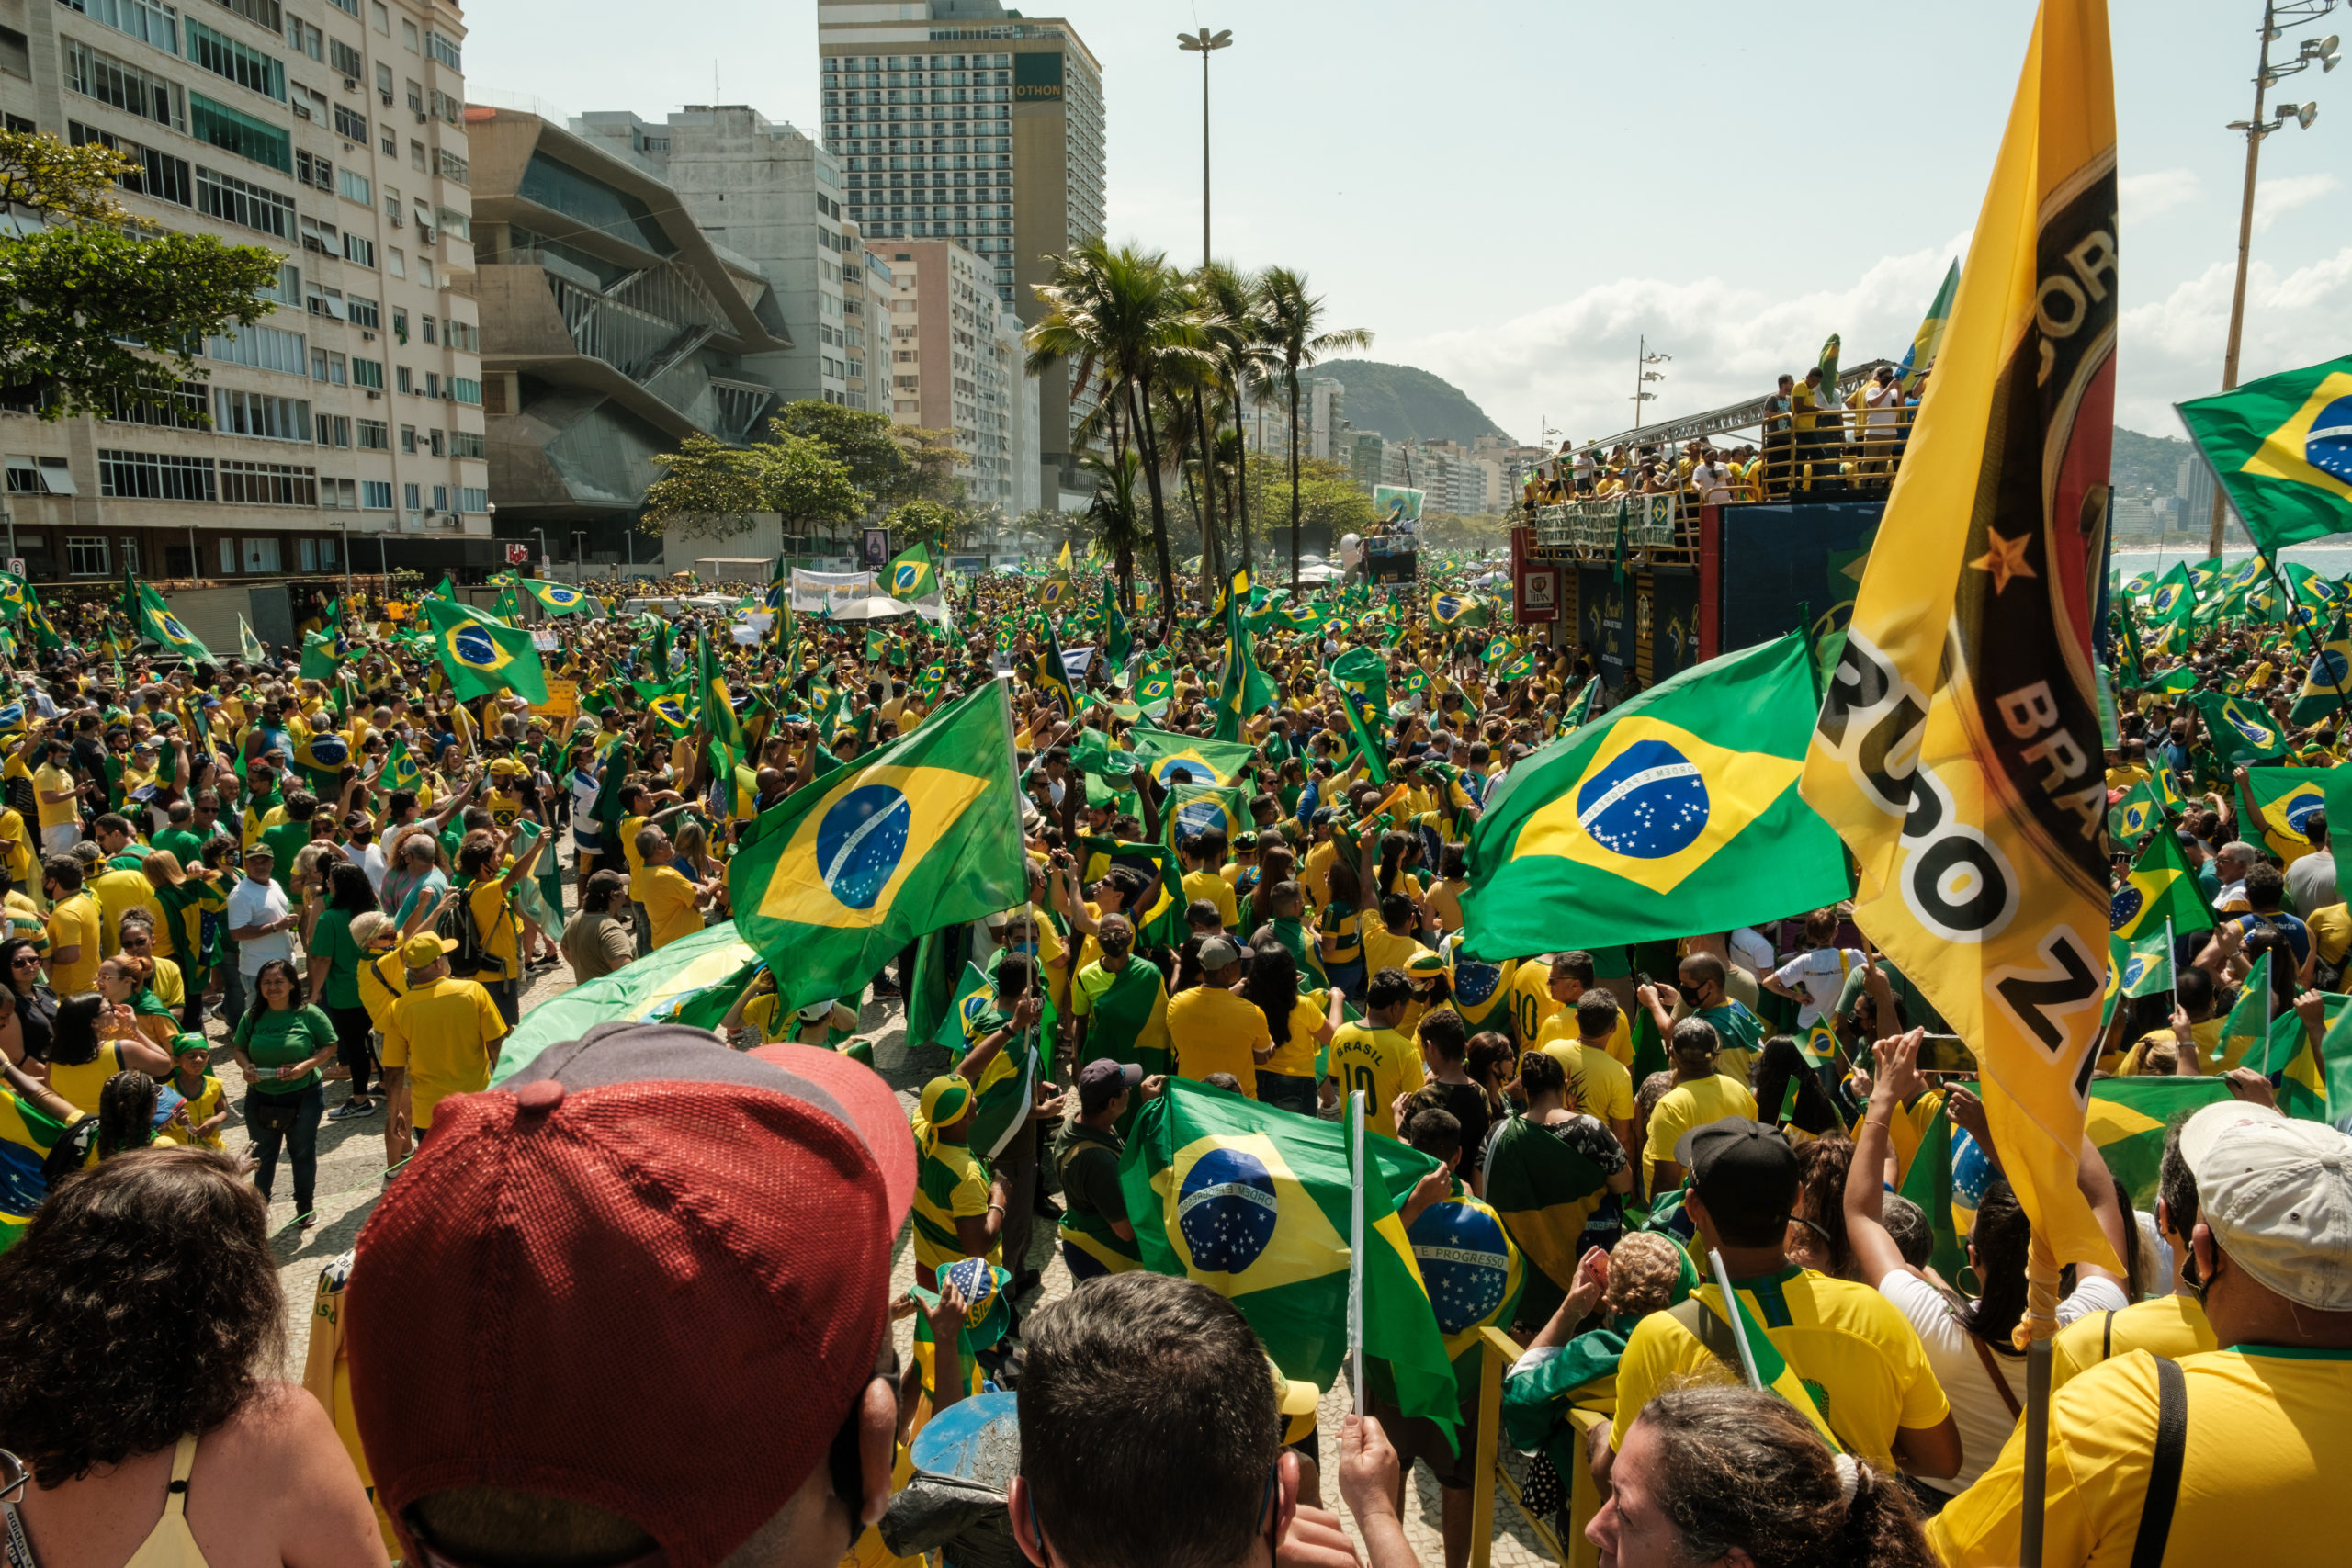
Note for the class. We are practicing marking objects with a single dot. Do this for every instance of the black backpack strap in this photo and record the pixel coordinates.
(2163, 1470)
(2106, 1335)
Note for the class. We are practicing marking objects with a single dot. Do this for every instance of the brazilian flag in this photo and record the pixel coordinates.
(445, 590)
(1256, 1204)
(2301, 1069)
(2127, 1119)
(2141, 810)
(12, 595)
(718, 703)
(158, 625)
(1364, 727)
(2173, 683)
(560, 599)
(1059, 590)
(1547, 1193)
(1155, 687)
(1246, 688)
(1209, 761)
(1676, 813)
(2327, 685)
(920, 833)
(2159, 890)
(2285, 798)
(1158, 919)
(910, 576)
(1118, 641)
(1518, 669)
(401, 771)
(1473, 1275)
(28, 1141)
(1048, 671)
(2175, 595)
(2281, 448)
(483, 655)
(1457, 609)
(1363, 675)
(1928, 1182)
(2142, 966)
(2242, 732)
(320, 659)
(1199, 808)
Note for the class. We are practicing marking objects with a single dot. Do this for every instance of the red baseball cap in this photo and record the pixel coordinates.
(649, 1274)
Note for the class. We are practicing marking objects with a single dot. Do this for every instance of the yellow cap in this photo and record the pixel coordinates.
(425, 949)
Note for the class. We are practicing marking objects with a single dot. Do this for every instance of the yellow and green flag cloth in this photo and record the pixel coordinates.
(2142, 966)
(2159, 890)
(483, 655)
(158, 625)
(28, 1138)
(2281, 449)
(1163, 751)
(2140, 811)
(1545, 1192)
(1256, 1204)
(2285, 799)
(2127, 1119)
(1059, 590)
(248, 644)
(918, 834)
(910, 575)
(2301, 1069)
(1771, 1369)
(1193, 808)
(1920, 357)
(1677, 812)
(2243, 731)
(2327, 684)
(560, 598)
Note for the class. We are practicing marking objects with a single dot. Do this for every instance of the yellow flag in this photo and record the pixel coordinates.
(1958, 749)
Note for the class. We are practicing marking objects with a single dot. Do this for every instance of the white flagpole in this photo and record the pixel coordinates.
(1731, 1312)
(1355, 1245)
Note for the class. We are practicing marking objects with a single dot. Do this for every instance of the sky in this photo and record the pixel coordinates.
(1516, 194)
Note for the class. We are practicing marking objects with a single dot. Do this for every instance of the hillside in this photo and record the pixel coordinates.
(2142, 466)
(1403, 403)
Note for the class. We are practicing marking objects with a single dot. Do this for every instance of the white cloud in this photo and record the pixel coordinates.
(2145, 195)
(2275, 198)
(1572, 363)
(2171, 347)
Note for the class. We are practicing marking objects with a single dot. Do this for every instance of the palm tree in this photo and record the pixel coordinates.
(1231, 313)
(1121, 315)
(1293, 317)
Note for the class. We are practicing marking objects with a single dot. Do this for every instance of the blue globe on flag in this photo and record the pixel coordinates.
(1650, 802)
(330, 750)
(1226, 1211)
(1465, 1261)
(2328, 448)
(976, 1281)
(473, 646)
(860, 843)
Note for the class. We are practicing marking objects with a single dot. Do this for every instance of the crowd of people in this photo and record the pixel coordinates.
(340, 886)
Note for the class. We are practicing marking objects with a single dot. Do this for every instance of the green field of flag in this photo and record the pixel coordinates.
(1676, 812)
(483, 655)
(157, 624)
(2127, 1118)
(561, 598)
(2327, 683)
(2242, 732)
(2160, 888)
(2281, 449)
(1255, 1203)
(2140, 811)
(1162, 752)
(920, 833)
(910, 575)
(2285, 798)
(1545, 1192)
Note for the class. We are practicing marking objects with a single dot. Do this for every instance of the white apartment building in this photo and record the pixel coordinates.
(345, 428)
(955, 364)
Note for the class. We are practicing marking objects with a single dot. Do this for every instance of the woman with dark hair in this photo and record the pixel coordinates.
(281, 1044)
(334, 959)
(138, 1397)
(36, 1005)
(1287, 1078)
(1967, 1342)
(89, 1041)
(1817, 1223)
(1341, 922)
(127, 1114)
(1719, 1474)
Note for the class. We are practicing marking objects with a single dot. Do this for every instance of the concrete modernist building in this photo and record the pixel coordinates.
(957, 119)
(613, 328)
(767, 193)
(345, 427)
(956, 365)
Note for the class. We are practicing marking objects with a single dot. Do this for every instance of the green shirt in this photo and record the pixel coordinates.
(184, 846)
(331, 940)
(289, 839)
(275, 1038)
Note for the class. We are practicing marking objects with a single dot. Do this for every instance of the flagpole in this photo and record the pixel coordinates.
(1355, 1246)
(1731, 1311)
(2172, 978)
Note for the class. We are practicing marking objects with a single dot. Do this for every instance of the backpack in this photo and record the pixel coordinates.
(469, 959)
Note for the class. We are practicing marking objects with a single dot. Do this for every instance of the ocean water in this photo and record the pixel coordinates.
(2326, 559)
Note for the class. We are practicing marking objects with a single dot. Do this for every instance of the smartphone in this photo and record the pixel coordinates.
(1945, 1054)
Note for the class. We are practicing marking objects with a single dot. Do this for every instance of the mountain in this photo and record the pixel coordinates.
(1402, 403)
(2142, 464)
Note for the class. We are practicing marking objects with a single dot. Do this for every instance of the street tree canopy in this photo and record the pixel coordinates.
(721, 487)
(101, 309)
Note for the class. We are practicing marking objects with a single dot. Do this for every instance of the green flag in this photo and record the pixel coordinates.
(401, 771)
(1118, 641)
(1197, 808)
(320, 659)
(1370, 745)
(1547, 1192)
(2159, 889)
(1246, 688)
(918, 834)
(446, 589)
(1364, 676)
(2297, 1066)
(1048, 672)
(2281, 449)
(560, 598)
(2242, 729)
(910, 576)
(2173, 683)
(248, 644)
(1676, 812)
(2141, 810)
(1256, 1204)
(2142, 966)
(718, 703)
(1159, 918)
(483, 655)
(158, 625)
(2327, 684)
(1928, 1182)
(1155, 686)
(1163, 751)
(2126, 1121)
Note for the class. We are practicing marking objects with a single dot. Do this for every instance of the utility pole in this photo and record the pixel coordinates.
(2276, 19)
(1205, 43)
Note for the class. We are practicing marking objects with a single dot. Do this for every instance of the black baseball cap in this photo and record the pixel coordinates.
(1737, 1164)
(1100, 1081)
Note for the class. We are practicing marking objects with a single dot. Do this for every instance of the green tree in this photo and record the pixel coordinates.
(722, 487)
(892, 463)
(102, 306)
(1230, 307)
(930, 522)
(1294, 334)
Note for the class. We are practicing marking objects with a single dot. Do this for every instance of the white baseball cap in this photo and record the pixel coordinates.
(2276, 1194)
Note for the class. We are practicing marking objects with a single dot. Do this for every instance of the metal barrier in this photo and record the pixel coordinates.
(1660, 530)
(1496, 1353)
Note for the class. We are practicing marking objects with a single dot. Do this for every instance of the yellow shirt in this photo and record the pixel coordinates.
(76, 922)
(1315, 871)
(502, 934)
(1692, 1105)
(669, 900)
(1604, 1090)
(1295, 1057)
(1382, 1063)
(1384, 950)
(1208, 884)
(382, 981)
(951, 1183)
(203, 1106)
(1530, 1003)
(442, 1033)
(20, 847)
(1214, 1030)
(80, 1085)
(1852, 1348)
(2172, 1327)
(2261, 1473)
(50, 780)
(1562, 1025)
(629, 824)
(118, 893)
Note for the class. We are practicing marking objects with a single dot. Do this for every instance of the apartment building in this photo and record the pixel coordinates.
(955, 364)
(957, 119)
(345, 428)
(768, 193)
(614, 327)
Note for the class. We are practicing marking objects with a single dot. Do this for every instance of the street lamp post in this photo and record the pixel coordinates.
(1643, 360)
(579, 557)
(2277, 15)
(1207, 43)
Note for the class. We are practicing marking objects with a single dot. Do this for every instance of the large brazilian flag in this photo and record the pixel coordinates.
(2127, 1119)
(2285, 799)
(1255, 1203)
(2243, 730)
(1209, 761)
(483, 654)
(919, 834)
(1676, 812)
(561, 599)
(1545, 1192)
(158, 625)
(2281, 449)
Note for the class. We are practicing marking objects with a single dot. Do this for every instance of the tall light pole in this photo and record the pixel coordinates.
(2277, 15)
(1207, 43)
(1643, 360)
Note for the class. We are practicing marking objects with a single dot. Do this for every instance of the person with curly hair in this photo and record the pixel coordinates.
(1722, 1473)
(137, 1398)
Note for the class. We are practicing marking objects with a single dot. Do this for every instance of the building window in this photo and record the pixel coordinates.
(311, 170)
(304, 38)
(442, 49)
(327, 366)
(362, 312)
(463, 336)
(150, 476)
(359, 249)
(234, 131)
(262, 348)
(335, 495)
(474, 499)
(159, 174)
(97, 74)
(404, 379)
(86, 555)
(347, 62)
(149, 23)
(453, 168)
(427, 325)
(368, 373)
(269, 484)
(260, 554)
(258, 413)
(226, 57)
(375, 495)
(374, 435)
(335, 429)
(233, 201)
(407, 442)
(355, 187)
(466, 443)
(182, 408)
(409, 496)
(349, 123)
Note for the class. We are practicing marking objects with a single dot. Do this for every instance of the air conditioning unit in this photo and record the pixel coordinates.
(367, 337)
(374, 395)
(350, 84)
(387, 97)
(422, 117)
